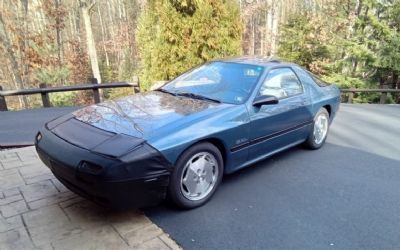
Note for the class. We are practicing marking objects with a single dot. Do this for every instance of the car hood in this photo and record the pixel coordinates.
(142, 114)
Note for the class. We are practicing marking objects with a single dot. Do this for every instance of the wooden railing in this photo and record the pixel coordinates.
(44, 91)
(350, 93)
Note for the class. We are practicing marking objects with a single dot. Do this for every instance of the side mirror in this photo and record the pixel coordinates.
(265, 100)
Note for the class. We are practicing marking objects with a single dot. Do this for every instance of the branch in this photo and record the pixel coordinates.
(91, 6)
(85, 4)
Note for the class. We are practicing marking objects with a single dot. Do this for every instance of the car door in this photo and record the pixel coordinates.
(276, 126)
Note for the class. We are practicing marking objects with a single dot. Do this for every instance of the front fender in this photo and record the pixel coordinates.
(229, 126)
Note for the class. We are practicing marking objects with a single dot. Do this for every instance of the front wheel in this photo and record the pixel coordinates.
(320, 130)
(196, 176)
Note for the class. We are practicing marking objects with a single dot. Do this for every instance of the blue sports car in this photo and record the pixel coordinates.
(179, 140)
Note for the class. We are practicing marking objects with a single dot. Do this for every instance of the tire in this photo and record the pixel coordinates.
(314, 141)
(193, 172)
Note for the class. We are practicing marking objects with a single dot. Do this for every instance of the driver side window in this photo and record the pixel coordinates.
(282, 83)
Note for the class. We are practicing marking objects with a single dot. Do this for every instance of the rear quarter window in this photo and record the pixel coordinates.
(318, 81)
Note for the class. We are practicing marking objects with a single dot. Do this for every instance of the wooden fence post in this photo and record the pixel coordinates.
(136, 89)
(96, 92)
(383, 95)
(351, 95)
(45, 96)
(3, 103)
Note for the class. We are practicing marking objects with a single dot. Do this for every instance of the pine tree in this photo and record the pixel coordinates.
(175, 35)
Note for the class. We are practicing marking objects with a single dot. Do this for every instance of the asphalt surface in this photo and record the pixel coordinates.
(18, 128)
(344, 196)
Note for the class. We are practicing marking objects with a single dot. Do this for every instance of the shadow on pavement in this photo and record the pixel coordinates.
(336, 197)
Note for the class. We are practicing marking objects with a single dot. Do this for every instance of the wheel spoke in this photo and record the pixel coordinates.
(195, 166)
(202, 161)
(201, 187)
(190, 181)
(208, 174)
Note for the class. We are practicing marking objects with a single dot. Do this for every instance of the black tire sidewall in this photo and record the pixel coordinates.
(174, 189)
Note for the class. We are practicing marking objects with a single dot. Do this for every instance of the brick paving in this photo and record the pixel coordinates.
(38, 212)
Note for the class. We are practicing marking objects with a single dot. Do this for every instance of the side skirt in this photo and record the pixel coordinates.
(260, 158)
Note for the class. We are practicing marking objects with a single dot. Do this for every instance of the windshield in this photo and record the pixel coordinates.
(222, 81)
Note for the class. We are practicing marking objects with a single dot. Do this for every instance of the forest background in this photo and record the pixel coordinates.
(353, 43)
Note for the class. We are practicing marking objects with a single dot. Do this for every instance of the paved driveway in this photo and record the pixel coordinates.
(343, 196)
(38, 212)
(18, 128)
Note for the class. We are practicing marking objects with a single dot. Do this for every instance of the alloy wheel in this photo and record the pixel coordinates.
(199, 176)
(320, 128)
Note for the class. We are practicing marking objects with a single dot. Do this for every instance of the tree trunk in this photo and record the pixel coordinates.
(111, 27)
(24, 47)
(72, 28)
(266, 36)
(90, 40)
(269, 26)
(59, 35)
(103, 34)
(5, 40)
(253, 36)
(78, 24)
(274, 33)
(60, 49)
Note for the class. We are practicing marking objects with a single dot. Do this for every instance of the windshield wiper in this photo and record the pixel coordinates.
(197, 96)
(166, 91)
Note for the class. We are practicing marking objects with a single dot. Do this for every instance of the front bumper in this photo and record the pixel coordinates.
(139, 179)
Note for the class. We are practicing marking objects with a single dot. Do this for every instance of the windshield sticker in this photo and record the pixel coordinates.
(252, 72)
(238, 99)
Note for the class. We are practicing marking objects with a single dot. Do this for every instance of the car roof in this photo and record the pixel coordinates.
(265, 61)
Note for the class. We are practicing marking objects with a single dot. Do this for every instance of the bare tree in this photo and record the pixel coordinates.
(103, 35)
(14, 69)
(59, 37)
(91, 46)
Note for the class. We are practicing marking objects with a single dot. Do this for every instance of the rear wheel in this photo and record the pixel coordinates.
(196, 176)
(320, 130)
